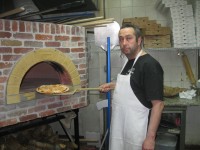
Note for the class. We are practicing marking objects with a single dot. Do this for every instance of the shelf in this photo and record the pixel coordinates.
(174, 49)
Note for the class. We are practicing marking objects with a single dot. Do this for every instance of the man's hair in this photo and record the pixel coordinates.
(138, 32)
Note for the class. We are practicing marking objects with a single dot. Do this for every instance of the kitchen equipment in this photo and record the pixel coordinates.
(110, 30)
(188, 69)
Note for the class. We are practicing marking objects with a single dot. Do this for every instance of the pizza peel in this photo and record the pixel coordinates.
(101, 33)
(72, 90)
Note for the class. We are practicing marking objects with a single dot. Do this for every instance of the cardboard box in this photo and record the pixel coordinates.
(159, 45)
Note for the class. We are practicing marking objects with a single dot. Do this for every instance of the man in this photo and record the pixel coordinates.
(138, 89)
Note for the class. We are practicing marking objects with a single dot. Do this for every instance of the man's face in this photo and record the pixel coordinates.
(127, 42)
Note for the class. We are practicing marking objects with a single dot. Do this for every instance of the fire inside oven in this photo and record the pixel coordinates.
(44, 73)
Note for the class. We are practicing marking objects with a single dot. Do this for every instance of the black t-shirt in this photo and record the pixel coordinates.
(146, 79)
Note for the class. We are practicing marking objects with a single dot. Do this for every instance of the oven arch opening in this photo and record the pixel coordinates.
(47, 56)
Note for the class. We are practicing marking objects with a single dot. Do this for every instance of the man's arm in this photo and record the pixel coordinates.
(155, 116)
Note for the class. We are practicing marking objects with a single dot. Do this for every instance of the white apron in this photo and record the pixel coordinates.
(129, 117)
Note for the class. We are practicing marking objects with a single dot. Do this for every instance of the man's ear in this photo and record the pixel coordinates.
(139, 40)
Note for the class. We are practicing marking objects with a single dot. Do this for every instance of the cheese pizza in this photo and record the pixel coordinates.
(53, 89)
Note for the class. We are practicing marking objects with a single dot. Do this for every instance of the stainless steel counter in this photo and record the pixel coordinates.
(176, 101)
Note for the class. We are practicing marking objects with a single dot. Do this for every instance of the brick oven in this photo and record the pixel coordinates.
(36, 53)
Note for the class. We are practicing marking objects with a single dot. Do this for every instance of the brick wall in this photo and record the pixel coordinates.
(17, 38)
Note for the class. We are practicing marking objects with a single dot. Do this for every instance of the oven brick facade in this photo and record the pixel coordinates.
(17, 39)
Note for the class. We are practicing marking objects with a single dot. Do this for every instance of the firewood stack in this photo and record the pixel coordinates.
(37, 138)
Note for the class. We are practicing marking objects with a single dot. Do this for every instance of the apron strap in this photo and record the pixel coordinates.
(136, 58)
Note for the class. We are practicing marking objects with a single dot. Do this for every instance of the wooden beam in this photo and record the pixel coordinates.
(83, 20)
(12, 12)
(94, 23)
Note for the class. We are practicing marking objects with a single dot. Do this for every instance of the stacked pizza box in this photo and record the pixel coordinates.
(182, 22)
(197, 20)
(155, 36)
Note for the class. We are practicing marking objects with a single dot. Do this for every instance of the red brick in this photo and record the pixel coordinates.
(79, 105)
(81, 43)
(58, 29)
(55, 105)
(1, 89)
(73, 30)
(2, 116)
(8, 122)
(4, 65)
(41, 27)
(11, 57)
(77, 50)
(1, 24)
(37, 109)
(47, 28)
(47, 113)
(22, 50)
(52, 44)
(53, 28)
(75, 39)
(35, 27)
(2, 101)
(43, 37)
(63, 109)
(7, 25)
(82, 71)
(5, 34)
(3, 79)
(27, 117)
(23, 35)
(1, 95)
(5, 49)
(68, 30)
(15, 26)
(21, 26)
(81, 55)
(82, 66)
(45, 101)
(64, 50)
(28, 26)
(62, 29)
(62, 38)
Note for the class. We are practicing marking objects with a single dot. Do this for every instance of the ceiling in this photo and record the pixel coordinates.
(48, 10)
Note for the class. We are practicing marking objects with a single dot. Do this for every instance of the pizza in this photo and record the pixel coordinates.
(53, 89)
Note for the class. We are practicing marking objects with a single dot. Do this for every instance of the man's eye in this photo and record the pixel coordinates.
(128, 38)
(121, 39)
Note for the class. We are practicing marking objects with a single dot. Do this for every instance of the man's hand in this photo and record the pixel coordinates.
(149, 144)
(107, 87)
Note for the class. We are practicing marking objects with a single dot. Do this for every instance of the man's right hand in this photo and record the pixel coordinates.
(107, 87)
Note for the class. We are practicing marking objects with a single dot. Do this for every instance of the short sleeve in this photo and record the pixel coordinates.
(153, 81)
